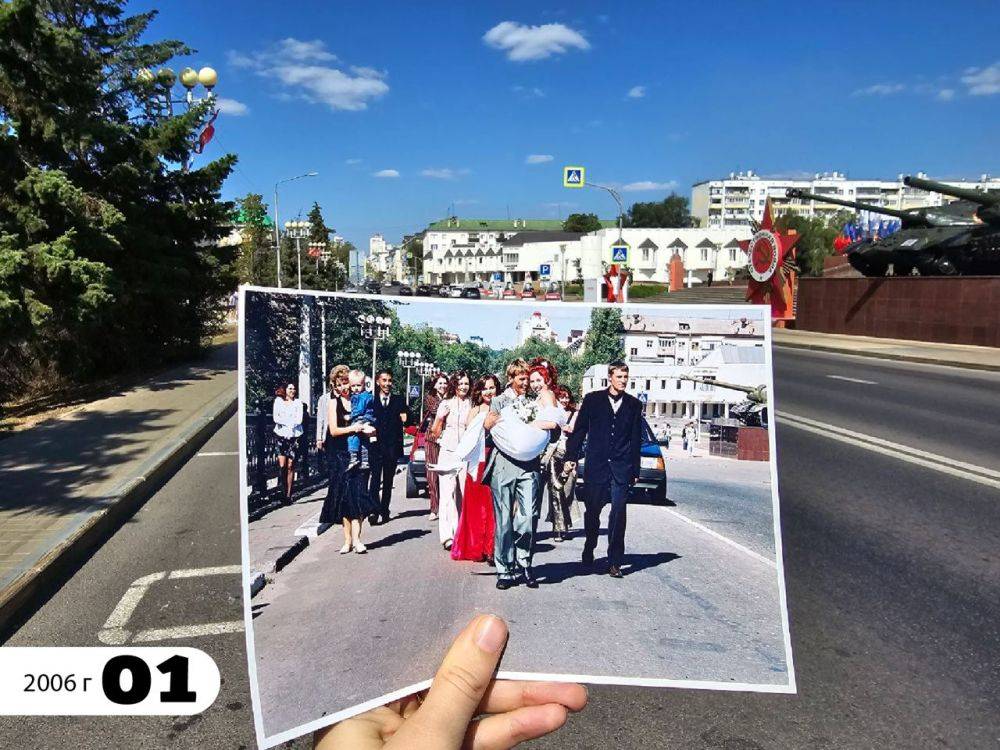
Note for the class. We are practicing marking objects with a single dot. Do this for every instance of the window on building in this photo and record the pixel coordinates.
(645, 253)
(732, 253)
(604, 382)
(634, 351)
(648, 384)
(663, 385)
(649, 343)
(677, 384)
(434, 247)
(684, 326)
(704, 253)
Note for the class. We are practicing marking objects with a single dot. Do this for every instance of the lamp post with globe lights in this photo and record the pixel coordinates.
(409, 360)
(298, 230)
(376, 328)
(161, 85)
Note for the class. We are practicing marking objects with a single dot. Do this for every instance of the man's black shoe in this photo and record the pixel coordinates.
(373, 520)
(504, 583)
(529, 579)
(588, 556)
(385, 519)
(615, 572)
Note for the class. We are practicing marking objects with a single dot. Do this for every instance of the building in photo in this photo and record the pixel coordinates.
(732, 202)
(536, 326)
(651, 339)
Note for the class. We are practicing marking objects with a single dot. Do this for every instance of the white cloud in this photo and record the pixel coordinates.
(298, 66)
(305, 51)
(946, 95)
(538, 158)
(386, 173)
(880, 89)
(444, 173)
(636, 92)
(231, 107)
(352, 161)
(466, 201)
(529, 92)
(522, 42)
(983, 81)
(647, 186)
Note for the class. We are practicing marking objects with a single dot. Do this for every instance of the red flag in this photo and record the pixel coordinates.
(206, 134)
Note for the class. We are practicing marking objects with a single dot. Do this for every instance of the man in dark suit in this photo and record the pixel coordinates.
(612, 459)
(390, 416)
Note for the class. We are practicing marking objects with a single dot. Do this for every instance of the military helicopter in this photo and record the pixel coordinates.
(961, 238)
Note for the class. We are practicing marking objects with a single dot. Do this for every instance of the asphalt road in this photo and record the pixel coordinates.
(892, 570)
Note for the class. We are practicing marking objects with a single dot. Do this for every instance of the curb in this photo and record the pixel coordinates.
(895, 357)
(120, 503)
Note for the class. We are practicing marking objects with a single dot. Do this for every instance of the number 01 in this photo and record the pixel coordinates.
(175, 666)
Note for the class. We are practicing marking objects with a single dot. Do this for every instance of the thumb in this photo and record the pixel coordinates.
(461, 682)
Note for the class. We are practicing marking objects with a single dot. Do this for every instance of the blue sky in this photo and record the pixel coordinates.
(456, 97)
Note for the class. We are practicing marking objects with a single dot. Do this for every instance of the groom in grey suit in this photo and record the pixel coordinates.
(515, 488)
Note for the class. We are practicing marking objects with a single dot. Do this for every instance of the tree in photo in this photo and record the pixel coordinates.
(672, 212)
(604, 341)
(816, 236)
(109, 255)
(582, 223)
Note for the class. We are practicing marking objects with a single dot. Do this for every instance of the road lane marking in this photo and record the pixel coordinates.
(218, 453)
(114, 632)
(943, 464)
(852, 380)
(721, 538)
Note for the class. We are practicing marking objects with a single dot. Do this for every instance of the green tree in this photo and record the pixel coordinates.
(255, 264)
(109, 251)
(671, 212)
(604, 342)
(816, 236)
(581, 223)
(415, 248)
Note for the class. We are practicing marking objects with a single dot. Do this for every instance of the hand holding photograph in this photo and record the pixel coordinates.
(601, 477)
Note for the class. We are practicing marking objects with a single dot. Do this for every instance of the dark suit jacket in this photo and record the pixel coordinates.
(615, 443)
(390, 428)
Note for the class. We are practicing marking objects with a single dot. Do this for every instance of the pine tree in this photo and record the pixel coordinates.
(255, 264)
(604, 342)
(108, 248)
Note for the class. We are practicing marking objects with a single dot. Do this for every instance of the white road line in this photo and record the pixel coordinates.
(724, 539)
(972, 472)
(114, 632)
(218, 453)
(852, 380)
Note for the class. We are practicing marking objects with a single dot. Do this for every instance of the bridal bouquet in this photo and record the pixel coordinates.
(526, 411)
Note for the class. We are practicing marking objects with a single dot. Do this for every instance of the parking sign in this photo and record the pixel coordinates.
(545, 270)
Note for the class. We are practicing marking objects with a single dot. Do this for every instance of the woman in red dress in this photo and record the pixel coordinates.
(474, 537)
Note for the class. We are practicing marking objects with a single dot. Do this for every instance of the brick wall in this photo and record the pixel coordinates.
(951, 310)
(752, 444)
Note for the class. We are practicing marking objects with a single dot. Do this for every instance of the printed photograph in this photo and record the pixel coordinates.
(601, 476)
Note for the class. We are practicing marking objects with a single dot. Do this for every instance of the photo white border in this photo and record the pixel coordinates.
(632, 308)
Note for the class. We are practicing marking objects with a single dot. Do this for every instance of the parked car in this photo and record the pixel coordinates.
(651, 486)
(428, 290)
(371, 286)
(455, 291)
(351, 289)
(471, 292)
(416, 466)
(444, 291)
(405, 291)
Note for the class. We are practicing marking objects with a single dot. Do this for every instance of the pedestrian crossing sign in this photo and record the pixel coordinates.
(574, 177)
(619, 253)
(414, 391)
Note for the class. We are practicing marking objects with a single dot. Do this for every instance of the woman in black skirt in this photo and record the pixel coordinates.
(347, 498)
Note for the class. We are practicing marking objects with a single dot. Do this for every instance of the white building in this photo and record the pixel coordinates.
(380, 254)
(671, 400)
(536, 326)
(731, 202)
(685, 341)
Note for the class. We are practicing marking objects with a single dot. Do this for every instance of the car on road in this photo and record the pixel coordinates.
(651, 486)
(428, 290)
(405, 291)
(416, 466)
(455, 291)
(471, 292)
(351, 290)
(444, 290)
(371, 286)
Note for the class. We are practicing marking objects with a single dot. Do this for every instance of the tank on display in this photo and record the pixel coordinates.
(753, 411)
(961, 238)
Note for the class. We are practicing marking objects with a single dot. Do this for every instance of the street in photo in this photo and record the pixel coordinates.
(602, 477)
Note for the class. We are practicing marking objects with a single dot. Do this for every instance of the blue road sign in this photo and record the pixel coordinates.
(545, 269)
(414, 391)
(574, 177)
(498, 275)
(644, 397)
(619, 253)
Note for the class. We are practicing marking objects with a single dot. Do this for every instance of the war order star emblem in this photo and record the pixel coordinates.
(772, 267)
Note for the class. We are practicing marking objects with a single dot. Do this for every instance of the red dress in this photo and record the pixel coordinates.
(474, 538)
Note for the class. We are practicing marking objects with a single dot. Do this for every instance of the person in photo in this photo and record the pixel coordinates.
(449, 425)
(437, 388)
(288, 413)
(542, 379)
(474, 537)
(514, 485)
(390, 416)
(363, 415)
(562, 480)
(613, 421)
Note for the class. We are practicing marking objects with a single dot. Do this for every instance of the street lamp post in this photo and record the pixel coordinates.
(162, 82)
(376, 328)
(298, 230)
(409, 360)
(424, 370)
(277, 237)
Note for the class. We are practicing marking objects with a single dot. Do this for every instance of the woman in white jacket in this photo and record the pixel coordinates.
(288, 413)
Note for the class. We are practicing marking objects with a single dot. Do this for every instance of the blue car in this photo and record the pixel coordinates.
(652, 484)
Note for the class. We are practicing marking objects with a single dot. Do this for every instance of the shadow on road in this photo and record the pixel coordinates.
(399, 536)
(559, 572)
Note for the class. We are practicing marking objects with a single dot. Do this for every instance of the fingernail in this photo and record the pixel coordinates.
(491, 634)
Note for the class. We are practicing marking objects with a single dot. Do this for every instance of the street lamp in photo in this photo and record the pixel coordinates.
(409, 360)
(277, 238)
(424, 370)
(160, 89)
(298, 230)
(376, 328)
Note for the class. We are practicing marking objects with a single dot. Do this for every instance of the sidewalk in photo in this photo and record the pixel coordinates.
(955, 355)
(70, 480)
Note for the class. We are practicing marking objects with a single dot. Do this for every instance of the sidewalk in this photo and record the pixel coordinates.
(955, 355)
(68, 481)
